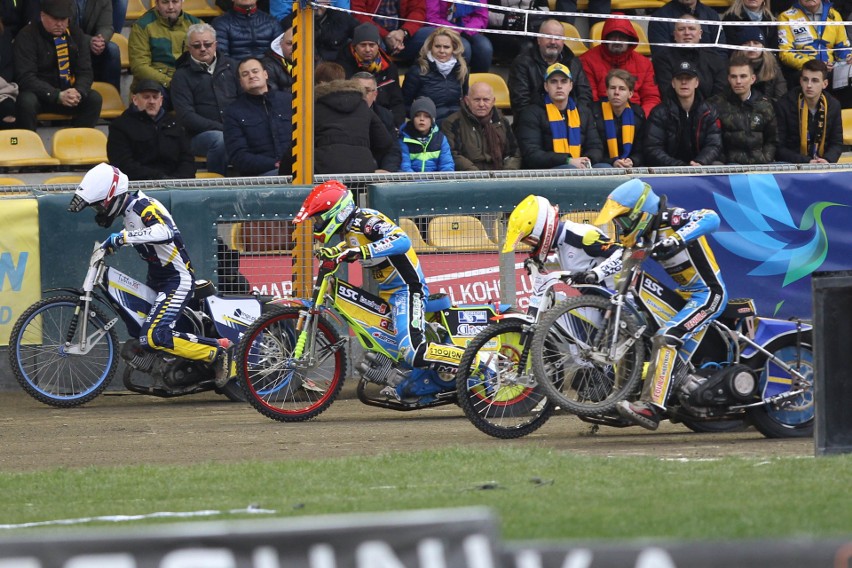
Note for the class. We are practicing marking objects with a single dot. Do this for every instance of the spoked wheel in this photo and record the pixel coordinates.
(46, 356)
(794, 417)
(499, 395)
(572, 355)
(279, 386)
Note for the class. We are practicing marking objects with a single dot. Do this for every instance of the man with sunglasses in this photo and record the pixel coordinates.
(679, 243)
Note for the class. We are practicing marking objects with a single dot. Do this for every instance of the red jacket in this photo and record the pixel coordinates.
(408, 10)
(598, 61)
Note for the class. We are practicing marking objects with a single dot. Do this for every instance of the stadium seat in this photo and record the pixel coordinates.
(845, 160)
(60, 180)
(121, 42)
(498, 84)
(20, 147)
(573, 39)
(80, 146)
(581, 5)
(7, 181)
(136, 9)
(417, 242)
(623, 5)
(846, 115)
(113, 104)
(200, 175)
(201, 9)
(718, 3)
(644, 47)
(460, 233)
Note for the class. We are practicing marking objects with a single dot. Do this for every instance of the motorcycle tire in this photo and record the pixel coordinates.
(793, 418)
(569, 353)
(42, 365)
(233, 391)
(508, 404)
(716, 426)
(279, 387)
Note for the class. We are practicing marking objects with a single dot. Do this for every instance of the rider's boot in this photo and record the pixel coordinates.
(647, 411)
(223, 361)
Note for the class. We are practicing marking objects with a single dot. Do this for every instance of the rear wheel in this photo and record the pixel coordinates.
(499, 395)
(793, 417)
(279, 386)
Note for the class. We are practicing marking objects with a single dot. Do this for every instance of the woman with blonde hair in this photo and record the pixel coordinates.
(439, 73)
(770, 79)
(750, 11)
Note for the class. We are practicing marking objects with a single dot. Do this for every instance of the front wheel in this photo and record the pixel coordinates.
(791, 418)
(583, 364)
(46, 356)
(498, 395)
(275, 383)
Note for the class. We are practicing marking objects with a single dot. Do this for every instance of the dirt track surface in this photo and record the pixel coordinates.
(123, 429)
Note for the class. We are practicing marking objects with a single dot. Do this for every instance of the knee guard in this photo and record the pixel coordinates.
(659, 375)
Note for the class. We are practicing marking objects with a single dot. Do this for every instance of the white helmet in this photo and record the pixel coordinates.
(104, 188)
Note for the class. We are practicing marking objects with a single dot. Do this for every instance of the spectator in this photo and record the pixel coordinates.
(711, 67)
(749, 129)
(750, 11)
(663, 32)
(244, 31)
(364, 54)
(95, 20)
(505, 20)
(424, 147)
(479, 135)
(559, 133)
(770, 80)
(282, 9)
(258, 124)
(7, 54)
(157, 39)
(333, 29)
(803, 40)
(477, 48)
(527, 71)
(601, 59)
(145, 142)
(54, 70)
(620, 123)
(810, 127)
(8, 88)
(399, 23)
(595, 7)
(16, 14)
(279, 63)
(371, 92)
(440, 73)
(205, 83)
(683, 130)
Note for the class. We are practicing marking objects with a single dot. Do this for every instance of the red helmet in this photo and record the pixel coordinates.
(331, 204)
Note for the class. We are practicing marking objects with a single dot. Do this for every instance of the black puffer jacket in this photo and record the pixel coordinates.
(674, 137)
(390, 93)
(536, 139)
(245, 35)
(712, 69)
(349, 137)
(526, 79)
(749, 129)
(445, 92)
(333, 30)
(200, 98)
(787, 115)
(144, 148)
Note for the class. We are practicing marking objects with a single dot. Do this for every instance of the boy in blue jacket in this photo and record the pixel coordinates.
(424, 147)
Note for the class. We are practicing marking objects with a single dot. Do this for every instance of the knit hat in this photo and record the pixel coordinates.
(366, 32)
(423, 104)
(752, 33)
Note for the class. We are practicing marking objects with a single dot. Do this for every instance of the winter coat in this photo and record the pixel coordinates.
(348, 137)
(200, 98)
(467, 141)
(639, 121)
(155, 46)
(526, 79)
(749, 129)
(712, 69)
(242, 35)
(144, 148)
(775, 88)
(599, 61)
(389, 93)
(445, 92)
(506, 20)
(258, 131)
(536, 139)
(279, 78)
(410, 12)
(333, 30)
(430, 153)
(824, 43)
(734, 33)
(97, 19)
(669, 126)
(663, 32)
(787, 116)
(35, 63)
(438, 13)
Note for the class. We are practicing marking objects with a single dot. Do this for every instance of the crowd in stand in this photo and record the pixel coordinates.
(221, 90)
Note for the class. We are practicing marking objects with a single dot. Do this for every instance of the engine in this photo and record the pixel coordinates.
(721, 387)
(379, 369)
(172, 371)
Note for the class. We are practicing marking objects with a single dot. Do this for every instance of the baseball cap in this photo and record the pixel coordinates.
(685, 68)
(557, 68)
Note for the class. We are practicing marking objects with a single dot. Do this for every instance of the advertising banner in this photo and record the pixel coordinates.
(20, 273)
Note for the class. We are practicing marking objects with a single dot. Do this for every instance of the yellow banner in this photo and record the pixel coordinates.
(20, 273)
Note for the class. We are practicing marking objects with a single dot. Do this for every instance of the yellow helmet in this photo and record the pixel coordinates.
(534, 222)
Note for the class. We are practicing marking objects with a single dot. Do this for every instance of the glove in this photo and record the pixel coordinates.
(331, 253)
(668, 247)
(114, 242)
(588, 277)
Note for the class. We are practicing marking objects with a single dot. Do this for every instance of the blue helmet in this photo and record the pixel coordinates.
(631, 207)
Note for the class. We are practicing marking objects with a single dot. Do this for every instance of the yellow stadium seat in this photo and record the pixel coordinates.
(6, 181)
(201, 9)
(498, 85)
(581, 5)
(718, 3)
(623, 5)
(845, 160)
(136, 9)
(461, 233)
(59, 180)
(113, 104)
(23, 148)
(52, 116)
(413, 233)
(80, 146)
(121, 42)
(846, 115)
(644, 47)
(573, 39)
(199, 175)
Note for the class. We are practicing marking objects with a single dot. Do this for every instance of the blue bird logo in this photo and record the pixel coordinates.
(763, 230)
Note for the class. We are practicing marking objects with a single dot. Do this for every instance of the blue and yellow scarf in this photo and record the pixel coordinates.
(63, 60)
(567, 138)
(628, 130)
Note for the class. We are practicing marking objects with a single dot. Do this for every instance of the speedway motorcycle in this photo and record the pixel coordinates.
(292, 360)
(64, 349)
(747, 369)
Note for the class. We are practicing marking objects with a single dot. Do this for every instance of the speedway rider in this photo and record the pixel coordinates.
(150, 229)
(582, 248)
(680, 246)
(383, 247)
